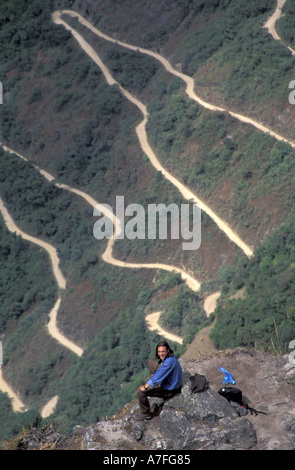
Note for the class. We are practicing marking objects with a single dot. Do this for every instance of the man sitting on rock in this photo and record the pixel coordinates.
(164, 382)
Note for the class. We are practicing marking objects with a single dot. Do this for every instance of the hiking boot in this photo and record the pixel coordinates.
(142, 416)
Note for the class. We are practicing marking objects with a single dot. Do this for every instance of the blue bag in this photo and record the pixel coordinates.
(228, 378)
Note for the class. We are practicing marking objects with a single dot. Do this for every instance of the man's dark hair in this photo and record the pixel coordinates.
(166, 345)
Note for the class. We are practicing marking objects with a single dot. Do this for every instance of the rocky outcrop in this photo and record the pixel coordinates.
(204, 420)
(188, 421)
(267, 383)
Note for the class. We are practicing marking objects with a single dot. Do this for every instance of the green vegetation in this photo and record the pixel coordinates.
(122, 347)
(217, 150)
(25, 277)
(265, 316)
(9, 419)
(285, 25)
(59, 111)
(232, 19)
(231, 53)
(182, 312)
(12, 424)
(45, 211)
(132, 71)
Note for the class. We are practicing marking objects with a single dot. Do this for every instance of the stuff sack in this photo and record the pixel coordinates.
(228, 378)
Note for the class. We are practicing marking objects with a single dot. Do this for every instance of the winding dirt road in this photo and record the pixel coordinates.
(141, 128)
(153, 318)
(61, 281)
(211, 302)
(48, 409)
(107, 255)
(17, 404)
(49, 248)
(152, 321)
(189, 81)
(142, 136)
(271, 23)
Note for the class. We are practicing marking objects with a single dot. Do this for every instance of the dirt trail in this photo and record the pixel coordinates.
(189, 81)
(153, 324)
(48, 409)
(17, 404)
(49, 248)
(56, 334)
(141, 128)
(61, 281)
(107, 256)
(52, 326)
(142, 136)
(211, 302)
(202, 345)
(209, 306)
(271, 23)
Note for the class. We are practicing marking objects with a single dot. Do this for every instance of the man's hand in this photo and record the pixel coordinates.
(145, 387)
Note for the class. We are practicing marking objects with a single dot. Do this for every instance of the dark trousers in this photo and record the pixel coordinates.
(157, 391)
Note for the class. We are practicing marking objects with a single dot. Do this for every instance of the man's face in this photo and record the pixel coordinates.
(162, 352)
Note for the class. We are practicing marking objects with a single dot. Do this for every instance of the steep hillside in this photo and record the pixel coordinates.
(159, 102)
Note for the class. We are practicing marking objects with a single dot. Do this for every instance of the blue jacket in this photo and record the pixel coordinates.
(168, 375)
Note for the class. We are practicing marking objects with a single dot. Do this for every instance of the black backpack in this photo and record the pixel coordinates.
(235, 397)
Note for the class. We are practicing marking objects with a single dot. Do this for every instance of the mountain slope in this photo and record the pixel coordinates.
(60, 114)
